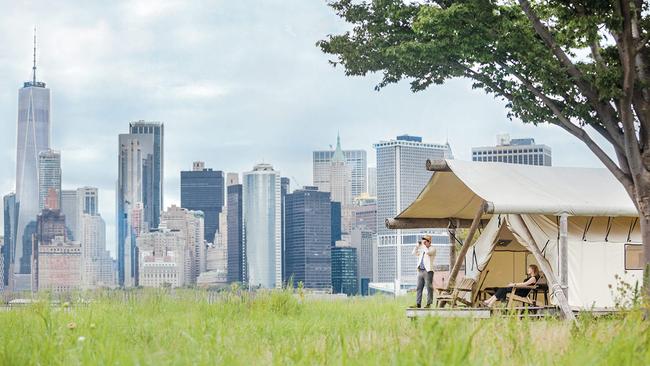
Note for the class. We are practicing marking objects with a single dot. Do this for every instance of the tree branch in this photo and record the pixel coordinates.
(578, 132)
(605, 110)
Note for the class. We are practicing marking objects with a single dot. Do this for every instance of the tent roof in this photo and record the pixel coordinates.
(519, 189)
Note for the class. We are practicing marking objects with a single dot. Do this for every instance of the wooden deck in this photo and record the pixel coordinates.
(484, 313)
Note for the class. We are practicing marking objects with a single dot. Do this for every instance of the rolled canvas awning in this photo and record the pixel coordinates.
(460, 190)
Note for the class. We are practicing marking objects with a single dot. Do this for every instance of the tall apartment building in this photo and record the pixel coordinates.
(401, 176)
(262, 226)
(308, 238)
(514, 151)
(202, 189)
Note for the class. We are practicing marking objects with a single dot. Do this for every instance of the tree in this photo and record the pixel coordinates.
(580, 65)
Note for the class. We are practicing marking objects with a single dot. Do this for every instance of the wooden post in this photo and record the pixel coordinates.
(553, 284)
(465, 247)
(452, 248)
(564, 254)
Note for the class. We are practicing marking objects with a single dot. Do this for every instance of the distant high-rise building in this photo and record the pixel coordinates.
(217, 257)
(364, 213)
(97, 264)
(356, 159)
(372, 181)
(340, 180)
(203, 190)
(262, 226)
(365, 240)
(514, 151)
(9, 247)
(59, 266)
(232, 179)
(2, 264)
(139, 193)
(153, 177)
(87, 204)
(50, 228)
(49, 178)
(88, 200)
(70, 209)
(163, 259)
(190, 225)
(336, 222)
(401, 176)
(236, 253)
(285, 189)
(308, 238)
(33, 137)
(344, 269)
(50, 224)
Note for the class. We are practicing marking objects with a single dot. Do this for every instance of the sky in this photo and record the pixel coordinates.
(235, 83)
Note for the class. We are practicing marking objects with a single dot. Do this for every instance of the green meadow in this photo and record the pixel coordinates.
(184, 327)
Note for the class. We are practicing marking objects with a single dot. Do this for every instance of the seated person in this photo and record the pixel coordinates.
(531, 280)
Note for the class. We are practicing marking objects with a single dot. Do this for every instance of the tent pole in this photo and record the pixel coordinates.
(466, 244)
(554, 286)
(452, 248)
(564, 253)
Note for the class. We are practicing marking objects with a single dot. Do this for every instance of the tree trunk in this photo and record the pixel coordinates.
(644, 221)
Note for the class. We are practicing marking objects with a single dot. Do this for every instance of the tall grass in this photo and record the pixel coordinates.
(182, 327)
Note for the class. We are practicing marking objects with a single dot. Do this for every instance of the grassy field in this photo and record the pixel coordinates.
(182, 328)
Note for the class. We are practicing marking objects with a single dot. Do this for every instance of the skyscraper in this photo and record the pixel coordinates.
(344, 269)
(9, 247)
(308, 238)
(97, 265)
(70, 208)
(153, 174)
(191, 226)
(33, 137)
(203, 190)
(340, 179)
(285, 189)
(86, 202)
(365, 241)
(515, 151)
(401, 176)
(262, 226)
(356, 159)
(236, 253)
(49, 178)
(139, 192)
(372, 181)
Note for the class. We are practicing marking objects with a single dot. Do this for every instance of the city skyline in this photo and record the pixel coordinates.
(199, 100)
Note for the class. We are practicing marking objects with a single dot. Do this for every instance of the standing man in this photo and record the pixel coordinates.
(426, 255)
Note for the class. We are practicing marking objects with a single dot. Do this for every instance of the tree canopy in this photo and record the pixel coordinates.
(568, 63)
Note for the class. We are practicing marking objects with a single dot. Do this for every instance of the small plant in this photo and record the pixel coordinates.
(625, 295)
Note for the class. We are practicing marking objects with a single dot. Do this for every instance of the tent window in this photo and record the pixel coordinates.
(633, 256)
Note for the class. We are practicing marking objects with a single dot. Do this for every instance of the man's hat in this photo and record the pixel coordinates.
(427, 237)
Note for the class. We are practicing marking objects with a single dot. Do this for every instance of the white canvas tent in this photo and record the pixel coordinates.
(580, 222)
